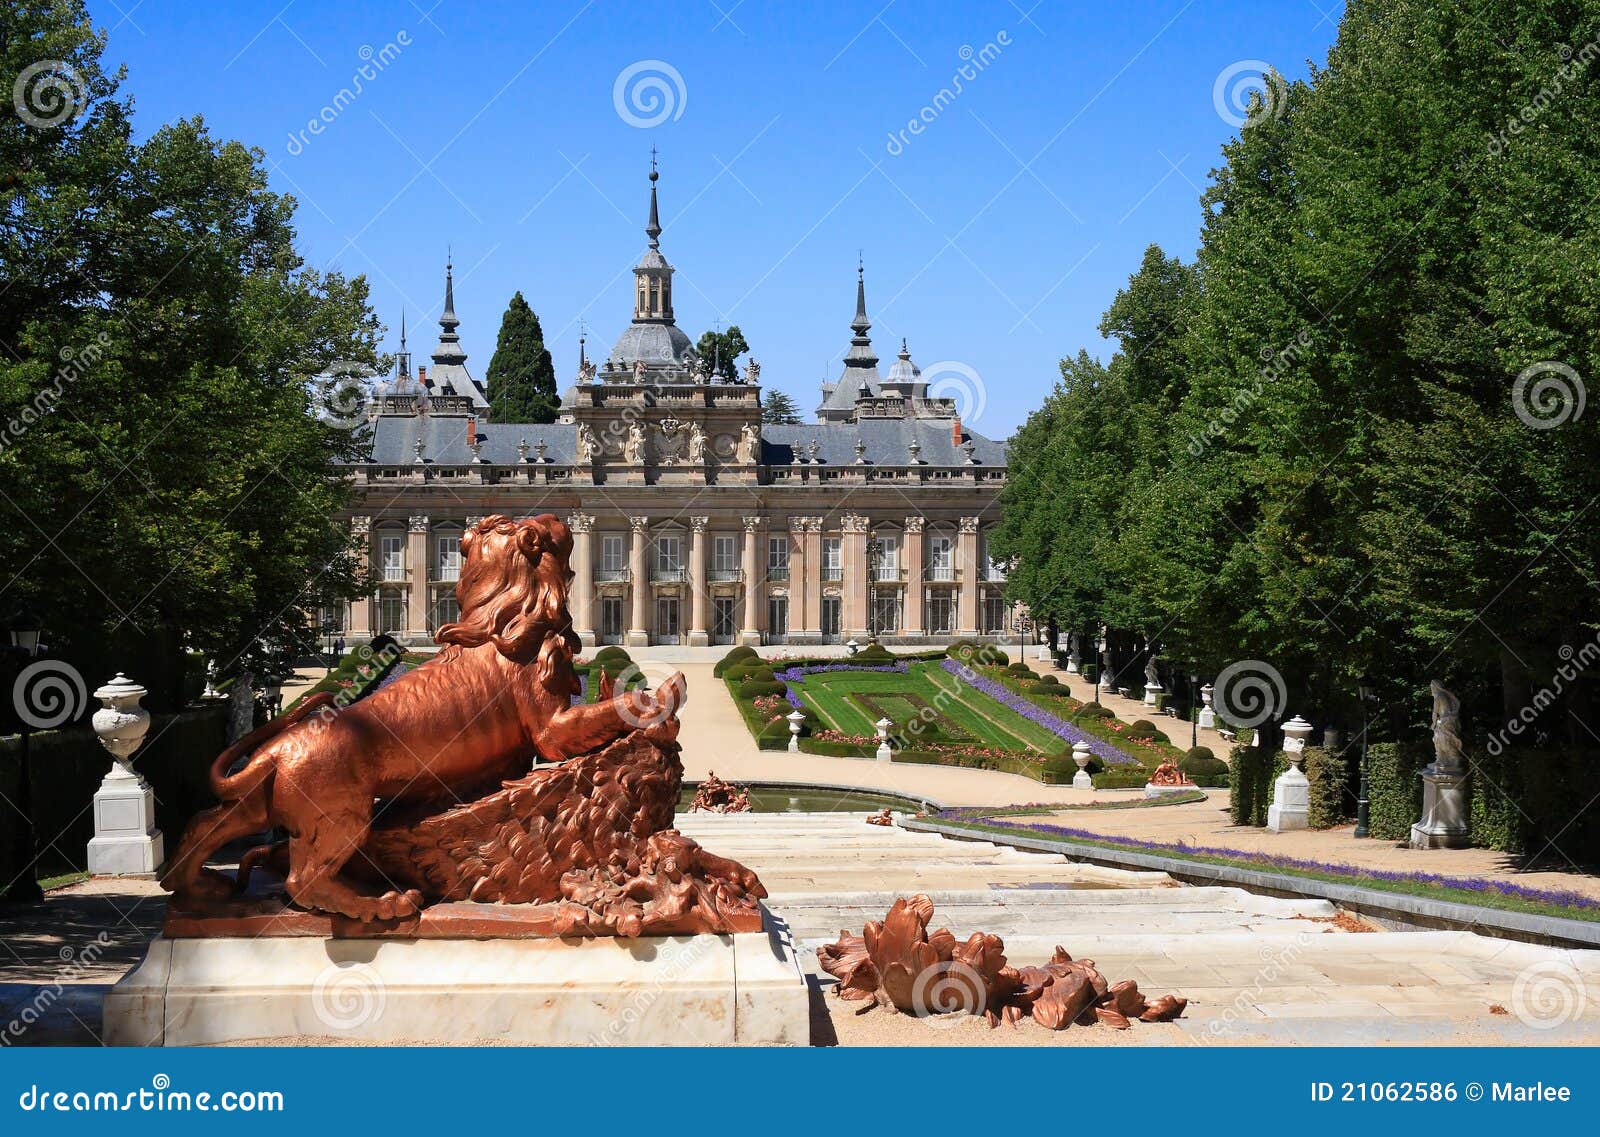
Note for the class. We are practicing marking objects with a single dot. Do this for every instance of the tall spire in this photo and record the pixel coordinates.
(449, 346)
(402, 362)
(860, 353)
(654, 228)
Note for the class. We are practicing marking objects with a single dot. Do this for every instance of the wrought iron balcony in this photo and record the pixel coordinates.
(611, 575)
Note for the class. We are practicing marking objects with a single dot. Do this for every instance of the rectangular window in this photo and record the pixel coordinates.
(393, 553)
(777, 619)
(446, 609)
(611, 619)
(994, 613)
(832, 565)
(941, 558)
(724, 615)
(724, 558)
(941, 614)
(391, 611)
(449, 558)
(830, 618)
(888, 557)
(777, 558)
(669, 557)
(613, 556)
(885, 614)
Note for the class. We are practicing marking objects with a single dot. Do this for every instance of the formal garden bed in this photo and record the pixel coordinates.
(1484, 892)
(965, 706)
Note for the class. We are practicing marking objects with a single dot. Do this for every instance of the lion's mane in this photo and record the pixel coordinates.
(513, 594)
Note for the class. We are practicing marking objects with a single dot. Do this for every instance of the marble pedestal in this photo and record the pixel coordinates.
(1291, 802)
(1446, 811)
(1151, 790)
(1208, 719)
(706, 990)
(126, 841)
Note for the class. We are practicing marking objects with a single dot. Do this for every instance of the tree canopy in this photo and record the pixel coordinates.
(1348, 439)
(721, 351)
(522, 376)
(779, 409)
(165, 466)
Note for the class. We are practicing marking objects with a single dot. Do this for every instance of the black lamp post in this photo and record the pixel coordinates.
(1094, 643)
(874, 559)
(1362, 806)
(1194, 709)
(23, 633)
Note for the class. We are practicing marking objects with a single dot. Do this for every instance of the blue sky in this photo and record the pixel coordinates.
(993, 239)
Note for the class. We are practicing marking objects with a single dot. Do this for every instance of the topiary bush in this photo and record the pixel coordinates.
(1095, 711)
(754, 686)
(744, 668)
(1049, 679)
(737, 655)
(610, 652)
(1325, 769)
(1145, 729)
(1200, 763)
(874, 653)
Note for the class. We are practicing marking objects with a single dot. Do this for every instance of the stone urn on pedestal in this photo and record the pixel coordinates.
(1080, 754)
(1446, 807)
(126, 841)
(1291, 793)
(885, 754)
(796, 718)
(1208, 717)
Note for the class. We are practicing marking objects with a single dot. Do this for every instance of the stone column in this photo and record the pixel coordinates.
(750, 627)
(854, 587)
(813, 585)
(967, 606)
(699, 586)
(361, 607)
(915, 571)
(417, 573)
(582, 526)
(798, 593)
(638, 581)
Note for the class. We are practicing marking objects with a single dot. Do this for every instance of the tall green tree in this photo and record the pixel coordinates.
(165, 486)
(721, 351)
(522, 376)
(779, 408)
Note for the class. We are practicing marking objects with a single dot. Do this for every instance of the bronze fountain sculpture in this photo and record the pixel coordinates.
(472, 795)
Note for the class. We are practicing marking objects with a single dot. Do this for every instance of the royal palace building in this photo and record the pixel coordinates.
(693, 522)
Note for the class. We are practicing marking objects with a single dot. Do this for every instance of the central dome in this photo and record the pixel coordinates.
(660, 346)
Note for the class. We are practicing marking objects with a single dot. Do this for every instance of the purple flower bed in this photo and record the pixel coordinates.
(796, 673)
(1272, 861)
(1060, 727)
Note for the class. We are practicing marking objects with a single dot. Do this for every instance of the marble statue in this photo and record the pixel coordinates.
(588, 445)
(749, 445)
(633, 445)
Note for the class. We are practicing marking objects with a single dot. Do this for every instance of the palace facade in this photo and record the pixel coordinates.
(693, 522)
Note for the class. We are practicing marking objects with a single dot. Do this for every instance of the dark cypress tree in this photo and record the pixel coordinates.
(522, 376)
(780, 409)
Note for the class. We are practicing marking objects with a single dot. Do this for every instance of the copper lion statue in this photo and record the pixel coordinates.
(478, 776)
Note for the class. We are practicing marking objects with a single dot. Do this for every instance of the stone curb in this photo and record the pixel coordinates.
(913, 801)
(1418, 911)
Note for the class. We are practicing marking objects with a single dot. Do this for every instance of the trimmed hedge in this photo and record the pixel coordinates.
(753, 686)
(1394, 791)
(737, 655)
(609, 652)
(1204, 768)
(1252, 776)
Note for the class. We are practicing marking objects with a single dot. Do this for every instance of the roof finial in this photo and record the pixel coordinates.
(402, 330)
(653, 229)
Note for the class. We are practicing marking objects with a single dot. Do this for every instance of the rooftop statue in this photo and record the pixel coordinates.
(472, 777)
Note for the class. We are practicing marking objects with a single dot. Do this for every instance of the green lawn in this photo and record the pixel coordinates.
(829, 694)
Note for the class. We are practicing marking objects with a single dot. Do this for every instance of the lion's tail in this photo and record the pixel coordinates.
(233, 787)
